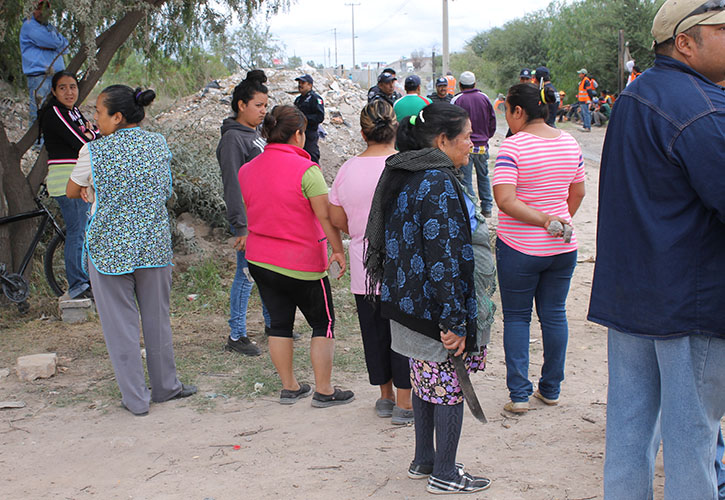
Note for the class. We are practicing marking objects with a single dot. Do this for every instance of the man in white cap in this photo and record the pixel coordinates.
(483, 122)
(658, 282)
(584, 97)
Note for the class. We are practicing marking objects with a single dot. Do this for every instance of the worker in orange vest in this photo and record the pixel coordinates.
(586, 92)
(451, 83)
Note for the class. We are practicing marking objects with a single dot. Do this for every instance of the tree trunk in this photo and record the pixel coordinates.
(17, 191)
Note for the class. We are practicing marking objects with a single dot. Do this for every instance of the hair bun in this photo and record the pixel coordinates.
(256, 75)
(549, 94)
(144, 97)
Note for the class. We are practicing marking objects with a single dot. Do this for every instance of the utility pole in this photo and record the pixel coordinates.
(335, 31)
(352, 5)
(444, 70)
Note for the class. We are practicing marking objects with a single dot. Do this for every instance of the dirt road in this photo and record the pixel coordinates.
(259, 449)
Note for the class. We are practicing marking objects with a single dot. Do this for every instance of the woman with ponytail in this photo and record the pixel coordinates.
(126, 175)
(65, 131)
(289, 226)
(350, 199)
(538, 181)
(420, 255)
(240, 142)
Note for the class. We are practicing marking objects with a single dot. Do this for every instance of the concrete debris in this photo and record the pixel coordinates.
(11, 404)
(344, 99)
(36, 366)
(76, 310)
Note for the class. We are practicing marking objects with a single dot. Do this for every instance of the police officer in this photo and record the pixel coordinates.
(441, 94)
(542, 78)
(385, 89)
(312, 106)
(525, 76)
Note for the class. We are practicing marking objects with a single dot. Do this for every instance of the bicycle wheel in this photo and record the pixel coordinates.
(54, 265)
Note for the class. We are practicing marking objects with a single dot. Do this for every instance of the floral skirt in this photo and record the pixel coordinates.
(437, 382)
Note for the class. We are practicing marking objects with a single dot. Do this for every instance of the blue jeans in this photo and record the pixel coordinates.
(522, 280)
(239, 299)
(719, 467)
(672, 388)
(484, 184)
(75, 215)
(586, 115)
(38, 89)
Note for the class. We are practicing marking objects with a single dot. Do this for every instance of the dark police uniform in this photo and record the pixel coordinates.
(434, 97)
(313, 108)
(376, 93)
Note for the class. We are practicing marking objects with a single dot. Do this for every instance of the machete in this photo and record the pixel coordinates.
(465, 382)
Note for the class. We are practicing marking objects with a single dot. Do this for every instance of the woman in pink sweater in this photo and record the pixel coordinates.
(350, 199)
(289, 226)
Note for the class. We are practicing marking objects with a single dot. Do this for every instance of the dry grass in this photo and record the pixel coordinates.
(200, 329)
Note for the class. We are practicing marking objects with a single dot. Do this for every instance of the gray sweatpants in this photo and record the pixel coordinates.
(116, 297)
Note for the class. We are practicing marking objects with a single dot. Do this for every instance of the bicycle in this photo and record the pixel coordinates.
(14, 285)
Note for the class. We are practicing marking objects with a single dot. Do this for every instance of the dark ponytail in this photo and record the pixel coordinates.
(532, 99)
(282, 122)
(419, 131)
(253, 83)
(127, 101)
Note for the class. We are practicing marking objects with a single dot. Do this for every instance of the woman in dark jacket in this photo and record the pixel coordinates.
(420, 252)
(65, 130)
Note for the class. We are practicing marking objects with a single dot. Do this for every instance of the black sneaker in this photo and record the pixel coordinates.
(242, 346)
(339, 397)
(416, 471)
(465, 483)
(287, 397)
(185, 392)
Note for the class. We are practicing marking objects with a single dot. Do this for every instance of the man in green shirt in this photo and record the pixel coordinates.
(412, 102)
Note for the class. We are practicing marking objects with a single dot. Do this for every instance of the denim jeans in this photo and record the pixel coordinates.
(586, 115)
(75, 215)
(38, 89)
(719, 467)
(672, 388)
(522, 280)
(484, 184)
(239, 299)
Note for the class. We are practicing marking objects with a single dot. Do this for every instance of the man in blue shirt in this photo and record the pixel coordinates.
(41, 47)
(658, 282)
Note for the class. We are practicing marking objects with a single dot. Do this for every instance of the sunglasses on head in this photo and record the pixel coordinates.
(708, 6)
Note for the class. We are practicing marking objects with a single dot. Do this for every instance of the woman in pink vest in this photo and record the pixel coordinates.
(289, 226)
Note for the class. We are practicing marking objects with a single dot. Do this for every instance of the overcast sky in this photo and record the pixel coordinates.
(385, 30)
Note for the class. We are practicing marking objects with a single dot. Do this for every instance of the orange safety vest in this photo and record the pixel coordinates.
(451, 89)
(583, 95)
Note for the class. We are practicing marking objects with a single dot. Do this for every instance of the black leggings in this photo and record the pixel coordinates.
(382, 362)
(283, 295)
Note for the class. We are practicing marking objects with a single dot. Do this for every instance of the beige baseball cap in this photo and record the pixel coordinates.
(676, 16)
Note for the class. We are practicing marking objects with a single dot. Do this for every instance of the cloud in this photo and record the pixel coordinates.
(387, 29)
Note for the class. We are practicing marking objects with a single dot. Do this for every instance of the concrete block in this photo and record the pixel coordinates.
(35, 366)
(76, 310)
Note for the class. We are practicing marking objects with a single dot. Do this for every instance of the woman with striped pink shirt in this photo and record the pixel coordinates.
(538, 179)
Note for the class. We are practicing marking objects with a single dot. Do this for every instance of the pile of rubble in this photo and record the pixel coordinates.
(198, 117)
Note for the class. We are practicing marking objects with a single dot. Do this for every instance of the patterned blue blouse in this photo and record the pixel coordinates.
(428, 272)
(132, 179)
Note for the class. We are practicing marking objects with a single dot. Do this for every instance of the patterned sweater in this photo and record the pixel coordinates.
(428, 272)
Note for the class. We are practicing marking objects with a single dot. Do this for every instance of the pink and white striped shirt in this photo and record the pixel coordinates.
(542, 170)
